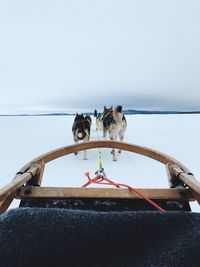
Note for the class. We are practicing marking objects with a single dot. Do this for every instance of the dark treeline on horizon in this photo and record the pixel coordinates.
(126, 112)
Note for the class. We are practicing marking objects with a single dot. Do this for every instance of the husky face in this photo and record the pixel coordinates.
(81, 127)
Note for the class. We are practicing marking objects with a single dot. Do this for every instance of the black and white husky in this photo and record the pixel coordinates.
(114, 124)
(81, 129)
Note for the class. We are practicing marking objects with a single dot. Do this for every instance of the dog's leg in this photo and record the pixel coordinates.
(121, 135)
(85, 154)
(76, 142)
(113, 150)
(121, 138)
(104, 133)
(97, 125)
(75, 139)
(85, 140)
(113, 154)
(113, 136)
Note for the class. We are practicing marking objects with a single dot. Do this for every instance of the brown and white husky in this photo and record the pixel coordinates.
(114, 123)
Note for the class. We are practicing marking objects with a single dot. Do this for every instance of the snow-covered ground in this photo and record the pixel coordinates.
(24, 138)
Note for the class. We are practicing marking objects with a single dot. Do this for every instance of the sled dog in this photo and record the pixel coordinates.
(81, 129)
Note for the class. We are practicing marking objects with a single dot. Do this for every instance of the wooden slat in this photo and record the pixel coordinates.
(37, 180)
(169, 175)
(29, 192)
(145, 151)
(19, 180)
(187, 177)
(6, 202)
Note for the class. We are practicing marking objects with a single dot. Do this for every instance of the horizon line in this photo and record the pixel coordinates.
(125, 111)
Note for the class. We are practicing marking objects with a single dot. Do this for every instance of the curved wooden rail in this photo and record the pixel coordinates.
(35, 167)
(60, 152)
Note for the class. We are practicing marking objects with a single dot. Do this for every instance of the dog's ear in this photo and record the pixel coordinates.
(119, 108)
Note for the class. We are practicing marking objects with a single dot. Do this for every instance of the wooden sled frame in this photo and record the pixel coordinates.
(27, 182)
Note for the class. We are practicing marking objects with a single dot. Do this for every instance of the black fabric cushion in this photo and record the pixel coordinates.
(60, 237)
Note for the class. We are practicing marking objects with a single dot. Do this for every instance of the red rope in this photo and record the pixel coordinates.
(104, 180)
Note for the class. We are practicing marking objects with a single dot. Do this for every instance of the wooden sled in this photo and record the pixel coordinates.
(26, 185)
(90, 227)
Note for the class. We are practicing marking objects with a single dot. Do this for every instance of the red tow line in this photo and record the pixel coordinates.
(101, 178)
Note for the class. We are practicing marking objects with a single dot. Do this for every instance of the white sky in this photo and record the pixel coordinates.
(60, 54)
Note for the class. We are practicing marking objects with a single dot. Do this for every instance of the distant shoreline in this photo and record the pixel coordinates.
(126, 112)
